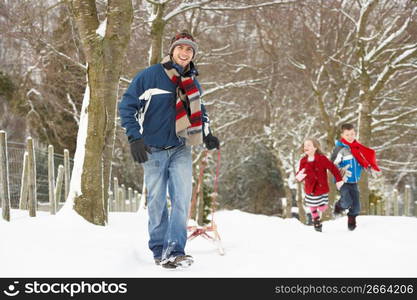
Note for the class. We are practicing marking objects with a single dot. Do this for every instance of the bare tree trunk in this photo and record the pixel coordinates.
(365, 100)
(365, 138)
(327, 215)
(104, 56)
(300, 205)
(157, 33)
(288, 193)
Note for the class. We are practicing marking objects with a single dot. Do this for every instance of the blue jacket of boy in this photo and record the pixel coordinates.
(342, 157)
(147, 109)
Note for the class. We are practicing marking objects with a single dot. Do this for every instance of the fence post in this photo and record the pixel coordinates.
(51, 180)
(31, 177)
(379, 207)
(4, 177)
(139, 201)
(284, 207)
(111, 202)
(23, 201)
(58, 186)
(67, 173)
(120, 198)
(135, 200)
(387, 205)
(407, 200)
(130, 196)
(123, 197)
(372, 209)
(116, 193)
(142, 202)
(415, 208)
(395, 201)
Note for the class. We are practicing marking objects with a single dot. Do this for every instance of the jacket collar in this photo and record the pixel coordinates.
(339, 143)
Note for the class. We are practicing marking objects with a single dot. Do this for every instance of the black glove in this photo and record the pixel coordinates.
(138, 150)
(211, 142)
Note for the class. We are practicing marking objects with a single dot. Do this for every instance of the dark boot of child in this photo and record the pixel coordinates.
(351, 222)
(317, 224)
(338, 211)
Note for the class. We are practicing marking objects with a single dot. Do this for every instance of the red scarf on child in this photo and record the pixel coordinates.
(365, 156)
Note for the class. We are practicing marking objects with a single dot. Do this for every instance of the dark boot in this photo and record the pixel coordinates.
(338, 211)
(317, 224)
(351, 222)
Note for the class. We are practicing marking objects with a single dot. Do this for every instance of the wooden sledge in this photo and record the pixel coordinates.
(208, 232)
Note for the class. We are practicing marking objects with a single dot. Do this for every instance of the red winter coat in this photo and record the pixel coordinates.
(315, 183)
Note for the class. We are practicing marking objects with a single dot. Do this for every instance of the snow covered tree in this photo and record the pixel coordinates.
(104, 43)
(384, 55)
(360, 60)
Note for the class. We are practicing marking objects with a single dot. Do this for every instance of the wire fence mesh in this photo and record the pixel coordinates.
(16, 153)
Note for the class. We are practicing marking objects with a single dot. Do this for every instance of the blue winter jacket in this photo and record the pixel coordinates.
(147, 109)
(342, 156)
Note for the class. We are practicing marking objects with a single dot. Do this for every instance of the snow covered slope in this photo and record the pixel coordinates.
(255, 245)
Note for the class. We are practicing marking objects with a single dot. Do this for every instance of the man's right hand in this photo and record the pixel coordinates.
(138, 150)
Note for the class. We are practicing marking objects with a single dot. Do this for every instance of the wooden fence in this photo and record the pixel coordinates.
(396, 204)
(54, 188)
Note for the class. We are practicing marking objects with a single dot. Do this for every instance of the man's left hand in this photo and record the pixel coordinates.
(211, 142)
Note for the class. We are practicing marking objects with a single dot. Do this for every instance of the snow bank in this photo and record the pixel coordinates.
(255, 245)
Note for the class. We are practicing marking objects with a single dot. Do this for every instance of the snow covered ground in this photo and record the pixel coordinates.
(255, 245)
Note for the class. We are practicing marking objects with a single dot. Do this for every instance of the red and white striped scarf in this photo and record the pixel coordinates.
(188, 122)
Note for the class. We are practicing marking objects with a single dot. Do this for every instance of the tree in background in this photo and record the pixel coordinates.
(104, 43)
(272, 73)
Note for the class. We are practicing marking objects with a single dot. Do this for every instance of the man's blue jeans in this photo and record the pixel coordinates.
(349, 198)
(168, 171)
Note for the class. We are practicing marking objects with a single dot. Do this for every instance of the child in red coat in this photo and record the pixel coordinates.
(313, 171)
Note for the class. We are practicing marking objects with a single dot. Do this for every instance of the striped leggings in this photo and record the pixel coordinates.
(314, 212)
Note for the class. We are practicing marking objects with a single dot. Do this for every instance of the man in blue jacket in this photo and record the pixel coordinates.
(163, 116)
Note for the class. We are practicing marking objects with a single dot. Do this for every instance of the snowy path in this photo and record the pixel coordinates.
(256, 246)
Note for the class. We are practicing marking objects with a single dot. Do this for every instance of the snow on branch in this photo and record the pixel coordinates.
(74, 112)
(346, 15)
(101, 30)
(398, 170)
(366, 9)
(157, 2)
(394, 163)
(244, 7)
(384, 44)
(78, 64)
(63, 55)
(388, 143)
(390, 69)
(183, 7)
(396, 118)
(228, 124)
(220, 49)
(237, 84)
(297, 64)
(406, 54)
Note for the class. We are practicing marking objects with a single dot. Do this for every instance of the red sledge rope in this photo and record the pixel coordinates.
(205, 231)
